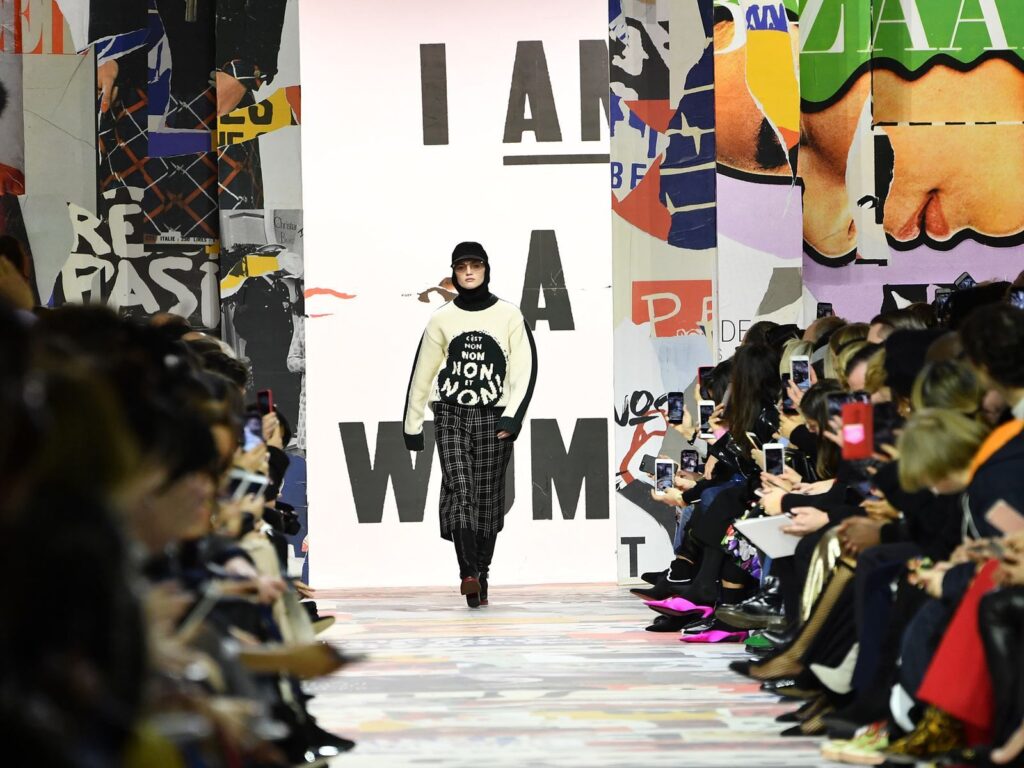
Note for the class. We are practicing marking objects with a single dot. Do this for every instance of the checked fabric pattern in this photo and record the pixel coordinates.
(473, 463)
(183, 194)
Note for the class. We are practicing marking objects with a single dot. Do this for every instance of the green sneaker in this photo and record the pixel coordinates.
(758, 642)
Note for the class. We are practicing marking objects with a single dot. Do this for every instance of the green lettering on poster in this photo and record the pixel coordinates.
(839, 37)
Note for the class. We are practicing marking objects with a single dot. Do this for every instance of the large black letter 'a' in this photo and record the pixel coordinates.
(530, 80)
(544, 275)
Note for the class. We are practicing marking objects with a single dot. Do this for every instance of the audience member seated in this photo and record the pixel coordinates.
(138, 489)
(896, 623)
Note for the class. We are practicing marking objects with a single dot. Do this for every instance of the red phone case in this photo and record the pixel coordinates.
(270, 399)
(858, 431)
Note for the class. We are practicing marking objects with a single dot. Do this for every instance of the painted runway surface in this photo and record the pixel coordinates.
(545, 676)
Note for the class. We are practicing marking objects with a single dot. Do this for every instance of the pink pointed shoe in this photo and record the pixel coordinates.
(679, 606)
(716, 636)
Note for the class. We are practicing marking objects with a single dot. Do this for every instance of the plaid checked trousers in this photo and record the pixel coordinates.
(473, 463)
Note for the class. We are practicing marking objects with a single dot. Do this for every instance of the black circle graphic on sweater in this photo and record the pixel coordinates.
(474, 374)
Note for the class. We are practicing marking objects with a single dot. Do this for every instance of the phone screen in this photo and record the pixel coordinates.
(802, 373)
(242, 484)
(703, 374)
(886, 420)
(836, 401)
(253, 430)
(774, 460)
(675, 407)
(787, 401)
(705, 418)
(941, 302)
(1017, 298)
(964, 282)
(665, 475)
(235, 480)
(689, 460)
(860, 396)
(866, 488)
(825, 309)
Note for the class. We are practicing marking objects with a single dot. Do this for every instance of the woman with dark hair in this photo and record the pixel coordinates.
(754, 392)
(814, 407)
(703, 572)
(759, 333)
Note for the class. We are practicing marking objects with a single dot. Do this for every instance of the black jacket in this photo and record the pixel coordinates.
(932, 522)
(1001, 478)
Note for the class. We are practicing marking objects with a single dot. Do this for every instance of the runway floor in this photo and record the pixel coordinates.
(544, 676)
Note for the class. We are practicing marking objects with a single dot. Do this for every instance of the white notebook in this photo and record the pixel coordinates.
(766, 534)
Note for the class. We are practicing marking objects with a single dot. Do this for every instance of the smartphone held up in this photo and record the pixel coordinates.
(689, 460)
(706, 409)
(675, 407)
(774, 458)
(664, 476)
(252, 430)
(265, 401)
(858, 431)
(800, 371)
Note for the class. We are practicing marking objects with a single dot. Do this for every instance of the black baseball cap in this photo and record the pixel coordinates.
(468, 250)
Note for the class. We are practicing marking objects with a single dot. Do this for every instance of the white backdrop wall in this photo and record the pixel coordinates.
(388, 192)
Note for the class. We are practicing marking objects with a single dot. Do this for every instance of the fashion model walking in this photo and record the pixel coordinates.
(475, 367)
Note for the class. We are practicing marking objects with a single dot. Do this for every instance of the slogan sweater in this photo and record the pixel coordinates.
(478, 358)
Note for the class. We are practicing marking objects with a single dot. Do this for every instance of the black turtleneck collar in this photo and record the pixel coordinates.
(475, 300)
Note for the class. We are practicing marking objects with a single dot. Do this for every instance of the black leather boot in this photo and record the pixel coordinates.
(704, 588)
(761, 611)
(484, 555)
(1001, 618)
(466, 552)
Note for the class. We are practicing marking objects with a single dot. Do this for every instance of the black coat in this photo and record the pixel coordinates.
(1000, 478)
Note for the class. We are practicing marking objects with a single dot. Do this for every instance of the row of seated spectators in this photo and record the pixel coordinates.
(148, 617)
(893, 611)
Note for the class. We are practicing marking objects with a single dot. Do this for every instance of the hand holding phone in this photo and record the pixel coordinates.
(252, 430)
(774, 458)
(800, 371)
(689, 460)
(242, 484)
(706, 409)
(788, 406)
(988, 548)
(664, 476)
